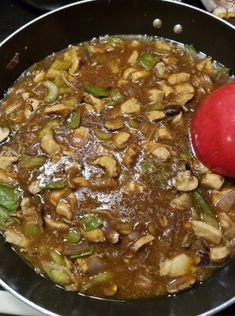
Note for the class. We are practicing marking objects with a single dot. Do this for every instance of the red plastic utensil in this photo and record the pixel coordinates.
(213, 131)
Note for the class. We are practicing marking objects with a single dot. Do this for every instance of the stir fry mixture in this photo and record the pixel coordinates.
(99, 189)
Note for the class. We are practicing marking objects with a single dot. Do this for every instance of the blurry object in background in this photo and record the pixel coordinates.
(221, 8)
(47, 4)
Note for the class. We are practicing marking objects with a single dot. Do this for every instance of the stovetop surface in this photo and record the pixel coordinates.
(14, 13)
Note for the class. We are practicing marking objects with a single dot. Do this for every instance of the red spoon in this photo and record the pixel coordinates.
(213, 131)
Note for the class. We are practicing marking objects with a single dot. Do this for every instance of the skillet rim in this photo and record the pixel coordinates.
(3, 283)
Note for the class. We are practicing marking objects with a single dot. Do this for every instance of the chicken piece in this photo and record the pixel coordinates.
(26, 207)
(130, 155)
(81, 182)
(114, 124)
(39, 76)
(56, 195)
(227, 225)
(133, 58)
(4, 177)
(167, 89)
(49, 145)
(206, 65)
(178, 78)
(97, 103)
(95, 235)
(64, 209)
(179, 265)
(161, 153)
(80, 136)
(4, 133)
(208, 232)
(162, 46)
(164, 133)
(109, 163)
(133, 187)
(72, 56)
(142, 241)
(16, 238)
(219, 253)
(7, 160)
(34, 187)
(156, 115)
(213, 181)
(184, 93)
(121, 138)
(182, 202)
(185, 181)
(130, 106)
(161, 70)
(156, 95)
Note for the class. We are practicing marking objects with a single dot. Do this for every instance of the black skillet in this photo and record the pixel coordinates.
(81, 22)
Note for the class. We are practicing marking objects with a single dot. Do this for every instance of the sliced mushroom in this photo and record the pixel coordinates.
(16, 238)
(49, 145)
(178, 78)
(121, 138)
(182, 202)
(180, 265)
(185, 181)
(114, 124)
(130, 106)
(206, 65)
(161, 153)
(156, 95)
(55, 224)
(162, 45)
(95, 235)
(4, 133)
(156, 115)
(137, 75)
(109, 163)
(133, 58)
(224, 199)
(178, 120)
(208, 232)
(39, 76)
(64, 209)
(142, 241)
(58, 108)
(219, 253)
